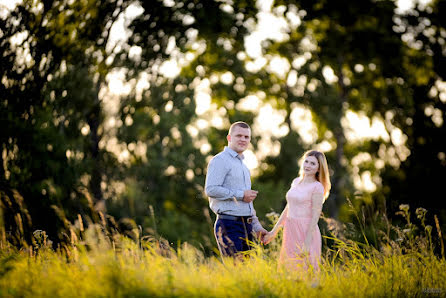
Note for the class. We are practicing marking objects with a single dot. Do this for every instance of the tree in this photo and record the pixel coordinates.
(352, 41)
(51, 113)
(418, 180)
(166, 165)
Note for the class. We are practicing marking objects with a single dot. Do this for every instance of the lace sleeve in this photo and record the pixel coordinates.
(317, 199)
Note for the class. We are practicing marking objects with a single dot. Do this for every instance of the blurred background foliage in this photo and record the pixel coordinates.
(110, 110)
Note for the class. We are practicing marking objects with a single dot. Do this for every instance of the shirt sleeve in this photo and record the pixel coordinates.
(256, 226)
(215, 178)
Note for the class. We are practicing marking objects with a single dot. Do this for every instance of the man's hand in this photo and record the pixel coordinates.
(260, 234)
(268, 237)
(249, 195)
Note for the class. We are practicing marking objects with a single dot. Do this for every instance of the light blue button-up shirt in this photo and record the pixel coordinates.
(227, 179)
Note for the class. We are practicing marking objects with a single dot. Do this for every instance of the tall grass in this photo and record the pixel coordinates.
(98, 265)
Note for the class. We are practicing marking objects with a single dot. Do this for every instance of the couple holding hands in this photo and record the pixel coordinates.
(228, 186)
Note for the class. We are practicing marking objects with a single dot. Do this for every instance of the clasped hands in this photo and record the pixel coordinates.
(269, 236)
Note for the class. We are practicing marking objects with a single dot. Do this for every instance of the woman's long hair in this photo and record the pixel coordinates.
(322, 174)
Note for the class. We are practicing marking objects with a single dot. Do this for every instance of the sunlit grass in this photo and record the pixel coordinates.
(100, 266)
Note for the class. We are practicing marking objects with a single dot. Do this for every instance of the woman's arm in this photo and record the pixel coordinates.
(281, 220)
(270, 236)
(317, 200)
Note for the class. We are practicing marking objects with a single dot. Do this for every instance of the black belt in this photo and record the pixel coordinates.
(247, 219)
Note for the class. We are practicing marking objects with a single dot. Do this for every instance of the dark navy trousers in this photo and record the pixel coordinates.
(232, 236)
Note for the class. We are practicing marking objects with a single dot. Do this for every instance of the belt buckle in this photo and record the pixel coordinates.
(249, 220)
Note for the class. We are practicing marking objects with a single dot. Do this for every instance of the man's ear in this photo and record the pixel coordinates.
(228, 137)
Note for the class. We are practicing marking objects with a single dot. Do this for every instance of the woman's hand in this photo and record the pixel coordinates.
(268, 237)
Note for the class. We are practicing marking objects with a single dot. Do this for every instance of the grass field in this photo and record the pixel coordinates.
(99, 266)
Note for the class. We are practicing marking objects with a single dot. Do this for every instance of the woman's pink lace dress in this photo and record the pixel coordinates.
(296, 225)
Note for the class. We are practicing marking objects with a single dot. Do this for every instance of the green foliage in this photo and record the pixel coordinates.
(271, 199)
(60, 159)
(425, 69)
(158, 120)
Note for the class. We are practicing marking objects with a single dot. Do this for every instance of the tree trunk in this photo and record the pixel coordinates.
(339, 177)
(94, 120)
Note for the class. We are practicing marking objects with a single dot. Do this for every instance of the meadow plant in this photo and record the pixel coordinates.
(100, 264)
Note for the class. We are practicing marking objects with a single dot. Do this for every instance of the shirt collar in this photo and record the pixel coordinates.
(233, 153)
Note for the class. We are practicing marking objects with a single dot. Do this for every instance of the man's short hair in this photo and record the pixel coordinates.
(240, 124)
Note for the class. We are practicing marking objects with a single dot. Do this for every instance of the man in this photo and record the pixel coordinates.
(228, 185)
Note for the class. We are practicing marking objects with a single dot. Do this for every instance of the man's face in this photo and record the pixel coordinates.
(239, 139)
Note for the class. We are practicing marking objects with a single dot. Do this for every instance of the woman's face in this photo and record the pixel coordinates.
(310, 165)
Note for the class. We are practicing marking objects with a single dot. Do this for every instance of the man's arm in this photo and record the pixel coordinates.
(256, 225)
(215, 177)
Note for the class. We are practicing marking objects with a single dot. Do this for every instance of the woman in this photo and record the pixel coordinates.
(301, 236)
